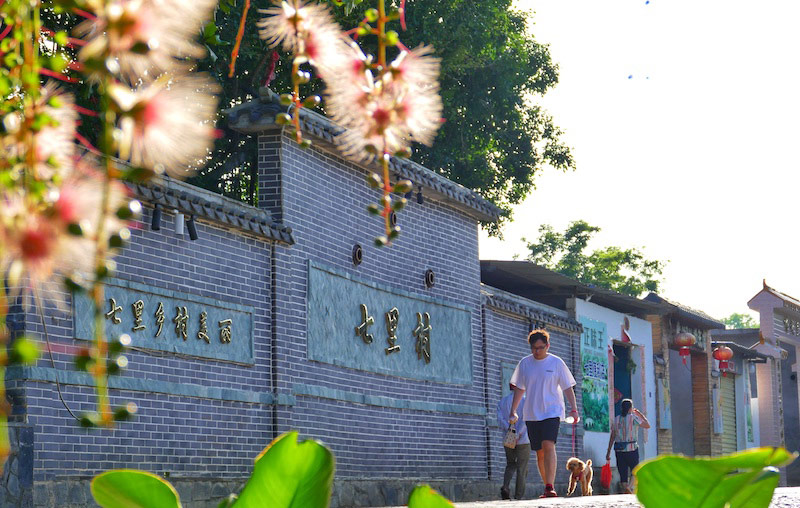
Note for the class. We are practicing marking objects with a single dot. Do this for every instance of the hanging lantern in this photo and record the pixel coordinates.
(722, 354)
(684, 341)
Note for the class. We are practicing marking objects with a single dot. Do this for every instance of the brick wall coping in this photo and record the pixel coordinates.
(259, 115)
(324, 392)
(502, 300)
(174, 194)
(141, 384)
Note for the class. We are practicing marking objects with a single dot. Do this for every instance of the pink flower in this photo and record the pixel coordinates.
(167, 125)
(54, 144)
(388, 113)
(145, 35)
(306, 30)
(38, 249)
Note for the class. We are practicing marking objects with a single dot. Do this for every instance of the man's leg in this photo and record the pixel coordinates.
(511, 466)
(549, 453)
(523, 456)
(540, 464)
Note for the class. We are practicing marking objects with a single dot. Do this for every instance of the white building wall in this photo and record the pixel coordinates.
(596, 443)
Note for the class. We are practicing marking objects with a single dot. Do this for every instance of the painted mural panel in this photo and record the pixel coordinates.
(369, 326)
(594, 361)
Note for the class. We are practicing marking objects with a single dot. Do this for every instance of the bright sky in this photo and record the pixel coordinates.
(684, 118)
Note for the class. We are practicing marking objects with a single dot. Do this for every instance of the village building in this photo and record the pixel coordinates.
(779, 406)
(686, 389)
(739, 402)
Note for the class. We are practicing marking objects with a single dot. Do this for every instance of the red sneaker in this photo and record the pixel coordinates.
(549, 492)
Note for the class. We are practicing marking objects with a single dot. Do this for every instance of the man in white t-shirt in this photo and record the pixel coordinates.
(544, 379)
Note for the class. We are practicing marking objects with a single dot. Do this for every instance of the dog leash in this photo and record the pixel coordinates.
(574, 424)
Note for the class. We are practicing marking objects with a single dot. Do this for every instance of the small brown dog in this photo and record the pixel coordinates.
(580, 471)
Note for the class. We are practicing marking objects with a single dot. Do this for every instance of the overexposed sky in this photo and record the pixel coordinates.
(684, 118)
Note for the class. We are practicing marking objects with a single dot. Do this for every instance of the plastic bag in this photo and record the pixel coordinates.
(605, 476)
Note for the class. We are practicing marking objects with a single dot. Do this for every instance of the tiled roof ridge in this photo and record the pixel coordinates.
(174, 194)
(686, 308)
(499, 299)
(780, 294)
(320, 126)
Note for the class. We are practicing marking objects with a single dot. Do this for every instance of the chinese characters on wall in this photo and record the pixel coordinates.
(791, 326)
(421, 333)
(181, 321)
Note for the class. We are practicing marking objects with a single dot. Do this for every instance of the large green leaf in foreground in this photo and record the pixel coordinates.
(289, 474)
(129, 488)
(425, 497)
(744, 479)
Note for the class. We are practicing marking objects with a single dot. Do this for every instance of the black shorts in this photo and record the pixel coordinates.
(543, 430)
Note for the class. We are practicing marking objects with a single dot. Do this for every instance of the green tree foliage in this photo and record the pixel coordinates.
(626, 271)
(494, 137)
(737, 320)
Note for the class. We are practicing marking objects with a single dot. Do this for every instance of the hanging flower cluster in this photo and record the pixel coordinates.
(384, 106)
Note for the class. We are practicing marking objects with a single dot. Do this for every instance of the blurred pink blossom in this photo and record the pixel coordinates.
(167, 125)
(308, 31)
(145, 36)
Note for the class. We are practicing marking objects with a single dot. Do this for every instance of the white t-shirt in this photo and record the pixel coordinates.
(544, 382)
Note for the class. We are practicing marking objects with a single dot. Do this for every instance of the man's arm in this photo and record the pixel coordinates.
(518, 393)
(573, 402)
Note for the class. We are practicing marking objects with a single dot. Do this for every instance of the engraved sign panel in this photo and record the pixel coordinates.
(167, 320)
(369, 326)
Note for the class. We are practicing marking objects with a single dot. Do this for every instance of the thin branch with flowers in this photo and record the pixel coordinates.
(384, 106)
(65, 211)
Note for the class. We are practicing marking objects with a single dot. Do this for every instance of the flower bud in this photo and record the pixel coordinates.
(374, 181)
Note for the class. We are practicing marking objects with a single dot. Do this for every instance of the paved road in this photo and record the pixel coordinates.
(788, 497)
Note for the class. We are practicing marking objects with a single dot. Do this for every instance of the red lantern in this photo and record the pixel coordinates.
(684, 341)
(723, 354)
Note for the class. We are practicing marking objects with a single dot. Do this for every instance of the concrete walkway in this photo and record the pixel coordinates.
(787, 497)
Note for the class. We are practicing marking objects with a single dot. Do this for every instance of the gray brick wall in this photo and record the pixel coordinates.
(184, 436)
(381, 427)
(324, 200)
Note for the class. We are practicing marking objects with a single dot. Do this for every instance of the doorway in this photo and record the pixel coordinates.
(622, 375)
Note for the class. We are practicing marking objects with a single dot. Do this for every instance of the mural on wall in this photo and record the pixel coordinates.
(594, 361)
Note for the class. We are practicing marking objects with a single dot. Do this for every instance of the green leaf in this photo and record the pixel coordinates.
(759, 491)
(746, 478)
(129, 488)
(23, 352)
(210, 35)
(289, 474)
(423, 496)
